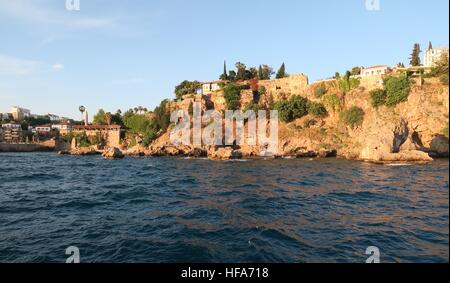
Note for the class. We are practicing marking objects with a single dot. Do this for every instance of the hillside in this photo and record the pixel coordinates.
(415, 129)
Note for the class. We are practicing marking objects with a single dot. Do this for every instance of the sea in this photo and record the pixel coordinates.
(175, 210)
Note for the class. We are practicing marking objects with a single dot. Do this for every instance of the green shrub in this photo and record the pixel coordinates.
(332, 102)
(397, 90)
(232, 93)
(252, 106)
(186, 87)
(353, 117)
(445, 131)
(317, 109)
(320, 91)
(347, 83)
(294, 108)
(378, 97)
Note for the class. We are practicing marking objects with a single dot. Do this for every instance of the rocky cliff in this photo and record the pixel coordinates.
(411, 131)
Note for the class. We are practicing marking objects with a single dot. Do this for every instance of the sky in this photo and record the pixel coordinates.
(119, 54)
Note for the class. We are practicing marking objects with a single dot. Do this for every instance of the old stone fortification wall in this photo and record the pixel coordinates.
(45, 146)
(284, 88)
(274, 89)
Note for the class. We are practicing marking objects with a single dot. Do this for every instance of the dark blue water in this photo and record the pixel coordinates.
(175, 210)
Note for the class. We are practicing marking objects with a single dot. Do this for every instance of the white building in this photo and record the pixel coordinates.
(434, 55)
(11, 126)
(375, 71)
(211, 87)
(43, 129)
(19, 113)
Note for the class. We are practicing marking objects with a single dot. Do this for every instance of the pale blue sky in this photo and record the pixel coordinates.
(121, 53)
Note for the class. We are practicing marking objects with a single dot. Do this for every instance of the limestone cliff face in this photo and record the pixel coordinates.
(411, 131)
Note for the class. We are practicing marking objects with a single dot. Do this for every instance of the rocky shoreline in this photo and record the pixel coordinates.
(232, 153)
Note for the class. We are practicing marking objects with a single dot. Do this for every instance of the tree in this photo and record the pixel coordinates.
(224, 76)
(232, 75)
(186, 87)
(337, 76)
(253, 73)
(232, 94)
(100, 118)
(430, 46)
(356, 71)
(240, 71)
(108, 118)
(400, 65)
(82, 109)
(265, 72)
(415, 55)
(162, 116)
(282, 72)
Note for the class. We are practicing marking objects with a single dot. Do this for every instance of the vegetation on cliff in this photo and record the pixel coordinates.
(353, 117)
(378, 97)
(186, 87)
(297, 107)
(232, 94)
(397, 90)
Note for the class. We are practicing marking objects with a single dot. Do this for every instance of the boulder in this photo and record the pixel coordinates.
(224, 153)
(137, 150)
(84, 151)
(404, 156)
(113, 153)
(439, 146)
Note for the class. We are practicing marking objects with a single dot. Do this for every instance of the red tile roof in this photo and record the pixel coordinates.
(97, 127)
(377, 67)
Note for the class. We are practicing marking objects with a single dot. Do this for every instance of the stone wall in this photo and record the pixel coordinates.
(45, 146)
(284, 88)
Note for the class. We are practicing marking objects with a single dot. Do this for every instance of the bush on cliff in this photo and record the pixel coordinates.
(378, 97)
(232, 94)
(332, 102)
(252, 106)
(353, 117)
(348, 83)
(294, 108)
(162, 116)
(320, 91)
(316, 109)
(186, 87)
(397, 90)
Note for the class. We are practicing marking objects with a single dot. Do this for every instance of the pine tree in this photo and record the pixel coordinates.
(281, 72)
(430, 46)
(415, 56)
(241, 68)
(260, 73)
(224, 76)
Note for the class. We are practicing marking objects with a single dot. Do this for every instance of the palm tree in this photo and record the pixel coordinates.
(82, 110)
(108, 118)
